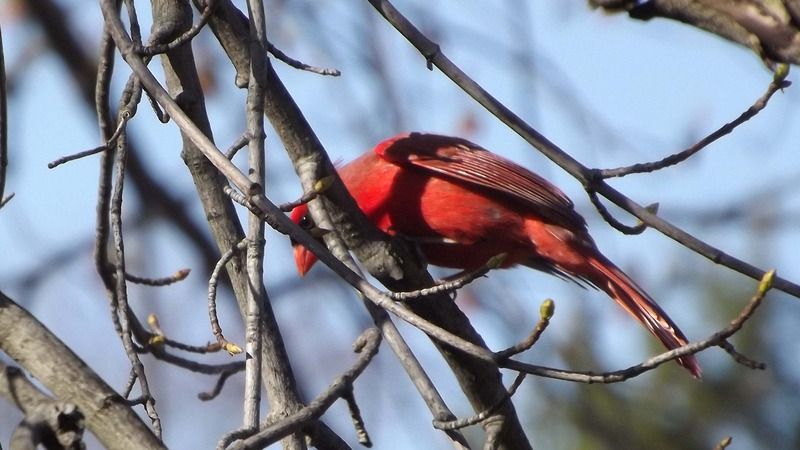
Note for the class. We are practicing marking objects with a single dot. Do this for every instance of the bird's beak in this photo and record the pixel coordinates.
(303, 259)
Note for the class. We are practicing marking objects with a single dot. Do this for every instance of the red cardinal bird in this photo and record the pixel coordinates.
(463, 205)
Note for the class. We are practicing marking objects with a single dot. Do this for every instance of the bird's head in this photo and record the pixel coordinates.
(303, 258)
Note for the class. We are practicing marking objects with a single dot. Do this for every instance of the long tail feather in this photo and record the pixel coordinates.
(627, 294)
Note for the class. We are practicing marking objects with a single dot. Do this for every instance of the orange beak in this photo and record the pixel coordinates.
(303, 259)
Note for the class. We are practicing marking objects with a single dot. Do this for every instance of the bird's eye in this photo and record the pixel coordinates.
(305, 222)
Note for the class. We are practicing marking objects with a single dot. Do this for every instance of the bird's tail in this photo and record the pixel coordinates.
(621, 288)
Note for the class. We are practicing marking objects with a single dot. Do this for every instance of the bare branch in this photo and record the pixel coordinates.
(606, 215)
(3, 125)
(155, 48)
(694, 347)
(125, 116)
(229, 347)
(120, 306)
(724, 443)
(367, 346)
(223, 377)
(355, 416)
(31, 344)
(460, 280)
(159, 282)
(237, 145)
(299, 65)
(483, 415)
(546, 311)
(779, 82)
(769, 29)
(257, 294)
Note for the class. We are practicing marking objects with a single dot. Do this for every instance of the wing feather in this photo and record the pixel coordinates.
(467, 162)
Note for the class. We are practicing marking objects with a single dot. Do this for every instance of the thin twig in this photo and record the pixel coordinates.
(105, 68)
(210, 347)
(458, 282)
(724, 443)
(228, 438)
(546, 311)
(223, 377)
(779, 82)
(124, 117)
(740, 358)
(8, 198)
(65, 159)
(156, 49)
(367, 345)
(305, 198)
(320, 186)
(121, 287)
(299, 65)
(606, 215)
(213, 280)
(164, 281)
(140, 400)
(764, 286)
(237, 145)
(355, 415)
(126, 391)
(483, 415)
(194, 366)
(3, 125)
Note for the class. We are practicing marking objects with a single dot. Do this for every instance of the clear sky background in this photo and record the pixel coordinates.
(608, 90)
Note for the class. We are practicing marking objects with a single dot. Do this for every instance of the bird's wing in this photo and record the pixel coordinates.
(467, 162)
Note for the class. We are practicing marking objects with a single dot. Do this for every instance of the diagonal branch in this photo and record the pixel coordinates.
(34, 347)
(778, 82)
(367, 346)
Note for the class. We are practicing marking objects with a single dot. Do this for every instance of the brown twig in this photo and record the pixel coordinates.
(367, 346)
(299, 65)
(194, 366)
(546, 311)
(125, 116)
(716, 339)
(355, 416)
(230, 347)
(779, 82)
(237, 145)
(606, 215)
(320, 186)
(156, 48)
(483, 415)
(158, 282)
(724, 443)
(740, 358)
(460, 280)
(223, 377)
(122, 308)
(3, 125)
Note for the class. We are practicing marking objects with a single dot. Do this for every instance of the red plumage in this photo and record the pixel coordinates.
(463, 205)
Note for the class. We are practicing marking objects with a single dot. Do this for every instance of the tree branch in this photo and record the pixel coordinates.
(35, 348)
